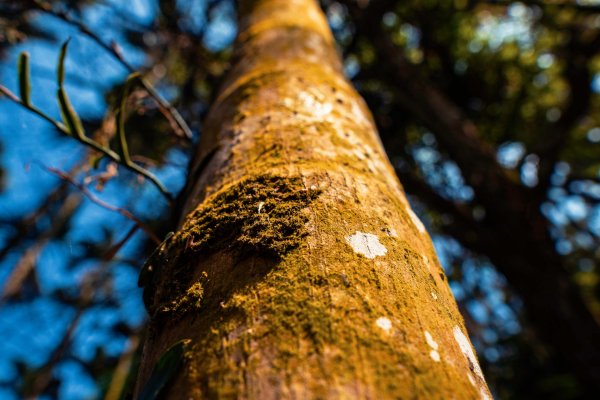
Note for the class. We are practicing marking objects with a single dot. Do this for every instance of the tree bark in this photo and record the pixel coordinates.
(299, 270)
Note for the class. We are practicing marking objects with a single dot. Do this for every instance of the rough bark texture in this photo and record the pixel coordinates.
(300, 270)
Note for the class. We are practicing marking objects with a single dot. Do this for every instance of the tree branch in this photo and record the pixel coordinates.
(90, 143)
(180, 127)
(62, 175)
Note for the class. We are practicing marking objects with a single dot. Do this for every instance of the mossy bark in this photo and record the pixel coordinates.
(300, 270)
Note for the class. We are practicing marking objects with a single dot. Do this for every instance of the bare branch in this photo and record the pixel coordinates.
(62, 175)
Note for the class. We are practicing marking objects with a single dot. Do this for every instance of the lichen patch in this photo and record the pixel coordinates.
(390, 232)
(384, 323)
(261, 215)
(366, 244)
(191, 301)
(432, 343)
(426, 261)
(317, 107)
(467, 350)
(416, 221)
(471, 379)
(435, 356)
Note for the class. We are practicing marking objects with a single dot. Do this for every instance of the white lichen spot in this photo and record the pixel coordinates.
(415, 220)
(364, 190)
(384, 323)
(435, 356)
(467, 350)
(484, 394)
(432, 343)
(426, 261)
(471, 379)
(390, 232)
(359, 153)
(358, 111)
(288, 102)
(434, 296)
(366, 244)
(318, 108)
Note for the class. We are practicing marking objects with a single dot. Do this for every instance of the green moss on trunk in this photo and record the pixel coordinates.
(261, 216)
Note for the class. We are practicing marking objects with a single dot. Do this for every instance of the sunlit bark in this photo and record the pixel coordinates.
(300, 270)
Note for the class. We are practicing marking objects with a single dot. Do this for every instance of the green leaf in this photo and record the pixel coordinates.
(24, 83)
(60, 70)
(132, 79)
(120, 117)
(164, 370)
(69, 116)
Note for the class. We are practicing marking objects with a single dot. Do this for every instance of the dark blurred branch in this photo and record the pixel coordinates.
(588, 8)
(578, 76)
(112, 251)
(26, 264)
(44, 373)
(24, 228)
(85, 300)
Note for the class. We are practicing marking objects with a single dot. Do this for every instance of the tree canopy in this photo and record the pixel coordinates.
(487, 110)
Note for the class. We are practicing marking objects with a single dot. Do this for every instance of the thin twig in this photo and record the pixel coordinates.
(62, 175)
(176, 121)
(113, 250)
(11, 96)
(91, 143)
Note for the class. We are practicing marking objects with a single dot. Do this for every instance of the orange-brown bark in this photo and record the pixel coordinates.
(300, 270)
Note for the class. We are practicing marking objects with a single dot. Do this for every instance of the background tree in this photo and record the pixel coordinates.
(519, 76)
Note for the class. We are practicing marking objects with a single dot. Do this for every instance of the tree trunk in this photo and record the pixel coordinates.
(299, 270)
